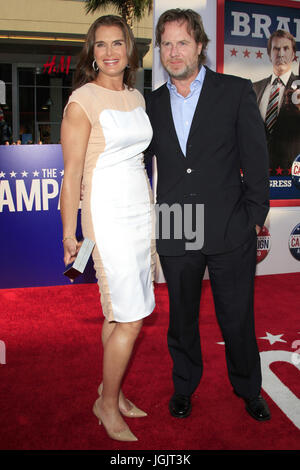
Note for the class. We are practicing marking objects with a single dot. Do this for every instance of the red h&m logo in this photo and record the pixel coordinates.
(62, 67)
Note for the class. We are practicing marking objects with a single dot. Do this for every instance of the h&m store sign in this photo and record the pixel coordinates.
(57, 65)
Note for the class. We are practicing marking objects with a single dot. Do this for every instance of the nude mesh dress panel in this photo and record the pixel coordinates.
(117, 208)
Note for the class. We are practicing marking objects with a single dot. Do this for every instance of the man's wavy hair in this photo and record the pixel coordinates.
(194, 26)
(85, 73)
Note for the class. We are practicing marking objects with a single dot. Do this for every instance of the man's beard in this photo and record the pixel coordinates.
(188, 71)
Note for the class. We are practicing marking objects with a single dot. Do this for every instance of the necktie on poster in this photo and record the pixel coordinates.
(272, 109)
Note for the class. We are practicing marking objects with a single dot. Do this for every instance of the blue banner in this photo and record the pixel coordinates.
(283, 187)
(253, 23)
(31, 230)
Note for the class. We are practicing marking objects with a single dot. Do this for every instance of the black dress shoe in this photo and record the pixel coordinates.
(258, 408)
(180, 405)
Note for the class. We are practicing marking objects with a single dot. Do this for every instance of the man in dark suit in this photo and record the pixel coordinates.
(206, 131)
(282, 122)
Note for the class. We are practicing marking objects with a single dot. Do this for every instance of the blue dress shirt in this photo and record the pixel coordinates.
(183, 108)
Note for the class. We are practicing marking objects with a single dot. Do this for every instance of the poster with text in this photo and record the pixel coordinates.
(260, 41)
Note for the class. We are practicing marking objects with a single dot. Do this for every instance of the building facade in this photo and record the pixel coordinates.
(39, 44)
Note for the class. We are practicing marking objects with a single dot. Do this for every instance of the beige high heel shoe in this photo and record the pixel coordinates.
(126, 435)
(134, 411)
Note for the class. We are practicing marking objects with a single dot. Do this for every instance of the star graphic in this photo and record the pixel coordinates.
(35, 173)
(279, 171)
(289, 171)
(24, 173)
(13, 174)
(62, 172)
(273, 338)
(2, 174)
(259, 54)
(234, 52)
(221, 343)
(246, 53)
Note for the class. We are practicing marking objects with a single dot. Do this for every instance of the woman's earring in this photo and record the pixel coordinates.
(95, 66)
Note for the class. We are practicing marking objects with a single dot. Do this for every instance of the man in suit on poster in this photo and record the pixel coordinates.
(280, 112)
(206, 129)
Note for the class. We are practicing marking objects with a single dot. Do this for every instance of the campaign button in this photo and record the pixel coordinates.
(295, 172)
(294, 242)
(263, 244)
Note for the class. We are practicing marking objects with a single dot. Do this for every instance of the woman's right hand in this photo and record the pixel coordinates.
(71, 248)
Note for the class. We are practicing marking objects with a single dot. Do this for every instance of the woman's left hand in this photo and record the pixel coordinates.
(71, 248)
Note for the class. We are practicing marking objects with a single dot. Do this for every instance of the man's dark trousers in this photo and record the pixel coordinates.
(232, 281)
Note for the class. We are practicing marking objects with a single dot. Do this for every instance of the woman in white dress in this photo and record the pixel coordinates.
(104, 131)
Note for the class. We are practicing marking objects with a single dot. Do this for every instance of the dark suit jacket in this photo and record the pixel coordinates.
(284, 141)
(227, 135)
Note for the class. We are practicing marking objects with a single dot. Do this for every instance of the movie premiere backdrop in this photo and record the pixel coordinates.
(31, 175)
(31, 231)
(243, 30)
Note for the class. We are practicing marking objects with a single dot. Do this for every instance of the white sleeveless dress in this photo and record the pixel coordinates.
(117, 208)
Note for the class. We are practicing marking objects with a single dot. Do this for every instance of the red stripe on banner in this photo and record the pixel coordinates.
(220, 36)
(280, 3)
(284, 202)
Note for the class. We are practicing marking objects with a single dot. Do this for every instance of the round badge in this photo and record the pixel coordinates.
(263, 244)
(294, 242)
(295, 172)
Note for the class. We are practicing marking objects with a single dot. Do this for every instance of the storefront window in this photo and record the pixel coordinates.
(5, 73)
(42, 97)
(26, 110)
(35, 97)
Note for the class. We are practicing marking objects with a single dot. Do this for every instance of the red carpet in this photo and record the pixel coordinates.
(52, 370)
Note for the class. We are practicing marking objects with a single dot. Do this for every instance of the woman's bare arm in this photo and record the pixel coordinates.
(75, 132)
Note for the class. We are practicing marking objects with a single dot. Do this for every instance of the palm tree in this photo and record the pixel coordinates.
(128, 9)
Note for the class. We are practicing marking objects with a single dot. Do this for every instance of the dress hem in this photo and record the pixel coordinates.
(114, 320)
